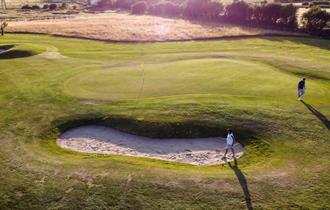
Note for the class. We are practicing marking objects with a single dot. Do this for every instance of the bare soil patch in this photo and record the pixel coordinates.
(104, 140)
(114, 26)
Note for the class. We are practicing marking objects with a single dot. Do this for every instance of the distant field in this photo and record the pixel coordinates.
(126, 27)
(19, 3)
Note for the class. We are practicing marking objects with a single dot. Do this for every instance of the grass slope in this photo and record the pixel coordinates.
(190, 89)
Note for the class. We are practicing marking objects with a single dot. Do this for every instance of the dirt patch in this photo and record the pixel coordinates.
(104, 140)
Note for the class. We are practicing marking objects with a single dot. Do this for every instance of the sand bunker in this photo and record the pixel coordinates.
(11, 52)
(104, 140)
(5, 48)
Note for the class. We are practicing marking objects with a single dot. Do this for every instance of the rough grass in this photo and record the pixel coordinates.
(286, 160)
(125, 27)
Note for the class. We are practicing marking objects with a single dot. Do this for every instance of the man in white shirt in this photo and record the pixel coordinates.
(301, 88)
(230, 143)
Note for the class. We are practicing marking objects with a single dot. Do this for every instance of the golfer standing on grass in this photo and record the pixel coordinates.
(230, 143)
(301, 88)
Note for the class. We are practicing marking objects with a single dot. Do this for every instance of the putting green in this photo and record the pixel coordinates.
(217, 76)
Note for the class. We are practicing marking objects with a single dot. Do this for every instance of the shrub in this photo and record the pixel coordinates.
(35, 7)
(53, 6)
(65, 6)
(123, 4)
(271, 13)
(26, 7)
(139, 7)
(46, 6)
(104, 4)
(289, 15)
(257, 14)
(238, 11)
(305, 4)
(203, 9)
(166, 9)
(275, 15)
(315, 19)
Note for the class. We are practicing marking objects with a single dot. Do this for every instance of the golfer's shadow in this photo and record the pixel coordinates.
(242, 180)
(318, 114)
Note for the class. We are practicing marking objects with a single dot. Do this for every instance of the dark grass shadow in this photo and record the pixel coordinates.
(215, 38)
(11, 54)
(314, 41)
(318, 114)
(299, 71)
(152, 129)
(244, 185)
(6, 47)
(299, 68)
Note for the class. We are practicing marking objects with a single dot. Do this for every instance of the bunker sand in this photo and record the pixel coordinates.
(104, 140)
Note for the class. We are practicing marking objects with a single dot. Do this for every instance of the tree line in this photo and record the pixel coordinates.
(266, 15)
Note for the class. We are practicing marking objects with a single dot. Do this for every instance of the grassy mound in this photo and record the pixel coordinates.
(186, 89)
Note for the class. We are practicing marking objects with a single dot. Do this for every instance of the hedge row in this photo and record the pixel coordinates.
(63, 6)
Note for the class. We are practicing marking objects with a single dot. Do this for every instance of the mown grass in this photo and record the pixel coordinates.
(186, 93)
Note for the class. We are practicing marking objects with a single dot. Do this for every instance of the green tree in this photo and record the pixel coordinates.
(315, 19)
(166, 8)
(2, 28)
(124, 4)
(139, 7)
(289, 16)
(104, 4)
(203, 9)
(238, 11)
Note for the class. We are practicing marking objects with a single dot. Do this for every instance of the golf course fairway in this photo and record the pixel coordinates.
(193, 89)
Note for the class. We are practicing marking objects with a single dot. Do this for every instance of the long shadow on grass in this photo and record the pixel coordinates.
(242, 180)
(187, 129)
(6, 47)
(311, 41)
(318, 114)
(12, 54)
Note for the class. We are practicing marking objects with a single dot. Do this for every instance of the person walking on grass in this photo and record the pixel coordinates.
(230, 143)
(301, 88)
